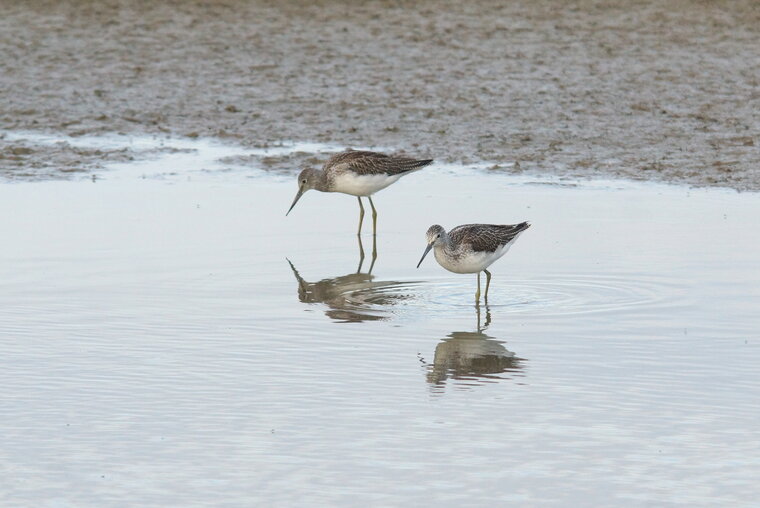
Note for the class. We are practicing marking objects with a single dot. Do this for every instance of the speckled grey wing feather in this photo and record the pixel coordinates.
(486, 237)
(372, 163)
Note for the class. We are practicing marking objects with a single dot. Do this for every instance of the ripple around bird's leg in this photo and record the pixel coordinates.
(557, 294)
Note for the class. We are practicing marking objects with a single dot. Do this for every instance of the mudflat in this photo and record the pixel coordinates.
(647, 90)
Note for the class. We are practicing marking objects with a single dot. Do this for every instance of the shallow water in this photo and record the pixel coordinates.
(169, 338)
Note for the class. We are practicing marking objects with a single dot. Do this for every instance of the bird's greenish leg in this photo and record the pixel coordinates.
(477, 293)
(361, 215)
(374, 216)
(488, 283)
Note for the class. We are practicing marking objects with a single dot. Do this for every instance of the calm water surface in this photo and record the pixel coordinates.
(169, 338)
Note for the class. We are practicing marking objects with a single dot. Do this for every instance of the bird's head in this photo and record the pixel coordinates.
(435, 234)
(307, 179)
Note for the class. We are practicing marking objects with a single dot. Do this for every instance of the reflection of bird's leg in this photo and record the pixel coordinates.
(374, 216)
(488, 317)
(374, 252)
(361, 215)
(477, 293)
(361, 252)
(488, 283)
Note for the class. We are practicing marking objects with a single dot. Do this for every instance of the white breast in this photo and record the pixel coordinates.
(362, 185)
(469, 262)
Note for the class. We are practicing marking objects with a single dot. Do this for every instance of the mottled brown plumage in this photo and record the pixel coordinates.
(486, 237)
(362, 162)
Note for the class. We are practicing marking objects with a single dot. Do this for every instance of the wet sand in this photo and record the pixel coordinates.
(641, 90)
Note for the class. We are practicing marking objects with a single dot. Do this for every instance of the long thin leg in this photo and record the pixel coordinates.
(361, 215)
(374, 216)
(488, 283)
(477, 293)
(374, 253)
(361, 254)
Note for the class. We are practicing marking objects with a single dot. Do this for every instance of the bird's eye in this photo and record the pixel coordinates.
(438, 235)
(303, 181)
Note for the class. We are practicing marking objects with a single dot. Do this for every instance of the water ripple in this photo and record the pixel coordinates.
(558, 294)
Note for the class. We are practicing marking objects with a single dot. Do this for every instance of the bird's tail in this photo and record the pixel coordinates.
(522, 226)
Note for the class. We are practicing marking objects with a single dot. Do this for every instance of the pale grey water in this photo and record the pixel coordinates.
(158, 349)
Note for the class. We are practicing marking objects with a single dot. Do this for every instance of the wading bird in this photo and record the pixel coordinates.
(358, 173)
(472, 248)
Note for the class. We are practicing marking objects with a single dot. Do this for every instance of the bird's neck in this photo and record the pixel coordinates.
(322, 182)
(445, 243)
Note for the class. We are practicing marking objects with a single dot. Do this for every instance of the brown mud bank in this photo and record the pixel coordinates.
(645, 90)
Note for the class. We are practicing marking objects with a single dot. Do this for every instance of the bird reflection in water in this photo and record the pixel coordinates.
(355, 297)
(472, 358)
(361, 254)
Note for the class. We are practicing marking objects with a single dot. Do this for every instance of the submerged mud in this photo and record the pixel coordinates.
(651, 90)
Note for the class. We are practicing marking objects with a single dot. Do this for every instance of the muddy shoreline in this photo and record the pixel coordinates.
(644, 91)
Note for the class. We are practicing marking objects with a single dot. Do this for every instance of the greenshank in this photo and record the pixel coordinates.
(358, 173)
(472, 248)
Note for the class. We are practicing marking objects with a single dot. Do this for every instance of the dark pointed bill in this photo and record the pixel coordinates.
(425, 254)
(298, 196)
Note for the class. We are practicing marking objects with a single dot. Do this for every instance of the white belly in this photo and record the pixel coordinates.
(362, 185)
(471, 262)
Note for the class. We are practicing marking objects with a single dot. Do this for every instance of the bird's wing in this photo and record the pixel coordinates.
(363, 162)
(486, 237)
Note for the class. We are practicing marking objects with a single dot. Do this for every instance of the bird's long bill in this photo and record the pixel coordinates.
(425, 254)
(298, 196)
